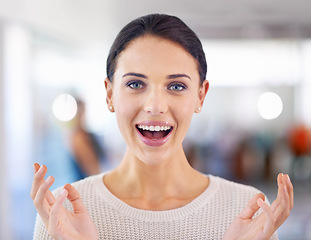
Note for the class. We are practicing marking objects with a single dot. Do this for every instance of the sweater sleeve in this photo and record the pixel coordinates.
(40, 231)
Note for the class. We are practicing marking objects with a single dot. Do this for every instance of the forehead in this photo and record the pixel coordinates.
(150, 53)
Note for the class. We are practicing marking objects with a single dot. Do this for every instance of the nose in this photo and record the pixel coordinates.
(156, 103)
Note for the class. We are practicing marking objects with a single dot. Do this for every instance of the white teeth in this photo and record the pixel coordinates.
(154, 128)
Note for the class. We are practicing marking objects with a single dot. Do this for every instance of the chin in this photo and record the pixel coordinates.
(156, 157)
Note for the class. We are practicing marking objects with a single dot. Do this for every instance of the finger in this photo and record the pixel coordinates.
(252, 207)
(283, 183)
(40, 172)
(38, 179)
(56, 211)
(290, 190)
(36, 167)
(283, 210)
(276, 202)
(270, 220)
(40, 201)
(75, 199)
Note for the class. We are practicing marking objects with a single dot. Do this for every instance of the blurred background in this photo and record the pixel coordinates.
(255, 122)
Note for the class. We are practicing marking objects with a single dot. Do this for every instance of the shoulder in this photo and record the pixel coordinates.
(230, 186)
(86, 185)
(232, 193)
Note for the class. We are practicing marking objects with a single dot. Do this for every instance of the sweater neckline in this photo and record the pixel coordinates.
(151, 215)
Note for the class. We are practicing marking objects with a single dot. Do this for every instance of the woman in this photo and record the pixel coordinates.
(155, 81)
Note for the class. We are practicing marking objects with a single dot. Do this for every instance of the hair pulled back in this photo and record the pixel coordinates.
(160, 25)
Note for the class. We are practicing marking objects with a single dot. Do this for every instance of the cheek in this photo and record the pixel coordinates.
(187, 104)
(186, 115)
(121, 100)
(126, 108)
(124, 116)
(183, 110)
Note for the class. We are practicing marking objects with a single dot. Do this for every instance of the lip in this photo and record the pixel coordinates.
(154, 142)
(155, 123)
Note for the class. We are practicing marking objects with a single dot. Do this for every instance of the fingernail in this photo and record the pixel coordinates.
(34, 168)
(288, 178)
(41, 169)
(48, 180)
(64, 191)
(259, 201)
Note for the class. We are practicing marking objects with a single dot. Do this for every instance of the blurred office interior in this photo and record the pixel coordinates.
(256, 119)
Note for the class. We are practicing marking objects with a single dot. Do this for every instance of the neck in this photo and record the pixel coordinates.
(151, 185)
(166, 171)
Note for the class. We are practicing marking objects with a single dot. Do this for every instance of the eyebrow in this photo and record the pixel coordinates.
(135, 75)
(171, 76)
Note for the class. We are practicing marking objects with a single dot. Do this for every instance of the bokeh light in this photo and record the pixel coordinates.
(270, 105)
(64, 107)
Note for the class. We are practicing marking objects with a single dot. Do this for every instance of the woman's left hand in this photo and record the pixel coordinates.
(245, 227)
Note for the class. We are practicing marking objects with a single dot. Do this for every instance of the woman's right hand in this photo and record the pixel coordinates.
(60, 222)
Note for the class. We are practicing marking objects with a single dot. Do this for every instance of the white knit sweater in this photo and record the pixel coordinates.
(206, 217)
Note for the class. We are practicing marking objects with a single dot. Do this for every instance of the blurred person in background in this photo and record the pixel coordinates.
(86, 151)
(155, 82)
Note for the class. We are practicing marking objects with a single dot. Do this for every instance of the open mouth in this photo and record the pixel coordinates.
(154, 132)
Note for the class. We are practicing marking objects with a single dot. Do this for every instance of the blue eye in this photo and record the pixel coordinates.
(135, 84)
(177, 87)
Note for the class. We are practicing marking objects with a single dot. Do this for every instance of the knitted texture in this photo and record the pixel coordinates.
(206, 217)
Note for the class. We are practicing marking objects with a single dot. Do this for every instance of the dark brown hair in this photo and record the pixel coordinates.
(160, 25)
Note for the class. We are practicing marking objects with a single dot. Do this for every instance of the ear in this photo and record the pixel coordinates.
(202, 93)
(108, 86)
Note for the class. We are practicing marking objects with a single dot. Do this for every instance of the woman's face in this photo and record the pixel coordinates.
(155, 90)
